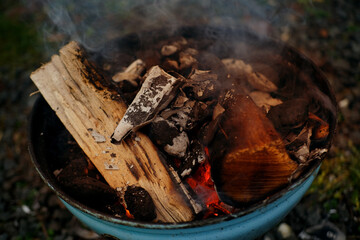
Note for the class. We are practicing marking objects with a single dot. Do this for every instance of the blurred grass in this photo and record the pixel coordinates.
(20, 42)
(338, 180)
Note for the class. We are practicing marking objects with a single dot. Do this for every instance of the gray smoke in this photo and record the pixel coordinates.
(94, 22)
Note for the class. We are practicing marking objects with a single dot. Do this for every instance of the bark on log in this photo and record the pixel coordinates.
(71, 86)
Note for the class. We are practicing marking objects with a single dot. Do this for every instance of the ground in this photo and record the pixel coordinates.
(327, 31)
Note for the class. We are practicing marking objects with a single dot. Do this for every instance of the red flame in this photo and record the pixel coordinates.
(203, 186)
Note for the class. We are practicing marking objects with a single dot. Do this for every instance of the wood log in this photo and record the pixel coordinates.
(90, 111)
(253, 163)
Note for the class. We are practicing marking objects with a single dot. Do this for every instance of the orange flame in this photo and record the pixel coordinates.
(127, 212)
(203, 186)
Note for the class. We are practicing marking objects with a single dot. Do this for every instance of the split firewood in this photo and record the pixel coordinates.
(154, 94)
(131, 73)
(253, 163)
(241, 70)
(74, 90)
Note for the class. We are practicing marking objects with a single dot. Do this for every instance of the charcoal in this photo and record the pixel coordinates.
(209, 61)
(91, 191)
(194, 157)
(140, 203)
(202, 85)
(296, 114)
(207, 131)
(269, 71)
(76, 168)
(117, 209)
(163, 131)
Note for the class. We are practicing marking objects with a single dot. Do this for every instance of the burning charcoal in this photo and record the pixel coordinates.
(168, 50)
(264, 100)
(248, 158)
(239, 69)
(289, 114)
(202, 85)
(154, 95)
(131, 73)
(140, 203)
(194, 156)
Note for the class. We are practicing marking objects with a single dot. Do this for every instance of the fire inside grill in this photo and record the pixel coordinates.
(232, 122)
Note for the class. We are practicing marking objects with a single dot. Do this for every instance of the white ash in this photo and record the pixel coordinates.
(111, 166)
(179, 145)
(302, 153)
(317, 153)
(157, 86)
(97, 136)
(186, 172)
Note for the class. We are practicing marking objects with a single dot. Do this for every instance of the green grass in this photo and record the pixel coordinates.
(339, 180)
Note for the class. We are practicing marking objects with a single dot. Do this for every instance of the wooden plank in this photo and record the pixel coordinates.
(90, 113)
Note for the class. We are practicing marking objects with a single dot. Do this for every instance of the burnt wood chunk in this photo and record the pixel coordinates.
(290, 114)
(249, 160)
(77, 93)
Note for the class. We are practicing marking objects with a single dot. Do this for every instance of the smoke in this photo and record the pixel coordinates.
(94, 22)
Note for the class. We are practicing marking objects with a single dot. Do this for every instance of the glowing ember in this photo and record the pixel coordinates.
(203, 186)
(127, 212)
